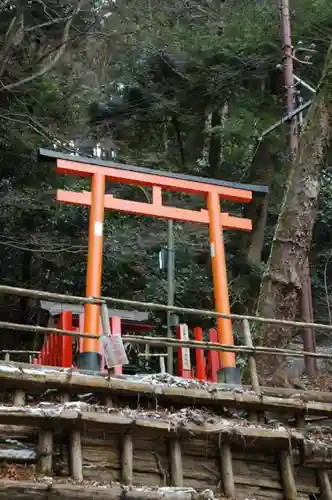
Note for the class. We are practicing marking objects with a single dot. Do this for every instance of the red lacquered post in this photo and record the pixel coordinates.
(66, 360)
(213, 358)
(52, 342)
(47, 351)
(200, 358)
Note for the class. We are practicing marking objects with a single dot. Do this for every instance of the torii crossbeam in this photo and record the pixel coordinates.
(211, 189)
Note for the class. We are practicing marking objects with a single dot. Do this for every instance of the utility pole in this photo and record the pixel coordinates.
(170, 290)
(289, 75)
(309, 343)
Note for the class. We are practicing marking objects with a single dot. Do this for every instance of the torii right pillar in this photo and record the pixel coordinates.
(228, 372)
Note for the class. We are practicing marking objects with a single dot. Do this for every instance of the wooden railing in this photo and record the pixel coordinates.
(9, 354)
(58, 349)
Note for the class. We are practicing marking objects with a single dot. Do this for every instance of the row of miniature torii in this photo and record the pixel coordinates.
(58, 350)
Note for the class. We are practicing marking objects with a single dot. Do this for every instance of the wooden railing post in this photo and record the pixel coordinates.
(226, 467)
(287, 475)
(45, 452)
(251, 358)
(75, 456)
(324, 484)
(127, 458)
(176, 462)
(162, 366)
(19, 397)
(253, 416)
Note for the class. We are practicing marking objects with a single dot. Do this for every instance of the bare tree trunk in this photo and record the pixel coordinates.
(257, 240)
(261, 172)
(281, 285)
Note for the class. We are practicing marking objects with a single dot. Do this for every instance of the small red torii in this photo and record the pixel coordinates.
(211, 189)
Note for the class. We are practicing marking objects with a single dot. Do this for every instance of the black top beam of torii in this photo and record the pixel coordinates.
(49, 154)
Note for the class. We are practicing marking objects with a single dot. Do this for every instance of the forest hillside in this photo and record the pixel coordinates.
(190, 86)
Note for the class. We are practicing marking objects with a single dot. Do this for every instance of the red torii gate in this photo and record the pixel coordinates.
(211, 189)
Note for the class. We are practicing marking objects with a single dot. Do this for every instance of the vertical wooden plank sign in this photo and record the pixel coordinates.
(184, 362)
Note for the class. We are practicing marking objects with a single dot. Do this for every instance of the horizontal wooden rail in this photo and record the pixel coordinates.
(175, 343)
(8, 351)
(44, 330)
(157, 307)
(55, 297)
(212, 346)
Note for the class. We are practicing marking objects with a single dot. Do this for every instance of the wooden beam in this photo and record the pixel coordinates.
(56, 418)
(23, 376)
(56, 155)
(25, 490)
(153, 210)
(149, 179)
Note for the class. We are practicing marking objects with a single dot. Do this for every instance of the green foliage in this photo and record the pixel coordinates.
(222, 60)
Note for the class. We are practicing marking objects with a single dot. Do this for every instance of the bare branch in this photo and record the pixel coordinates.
(50, 66)
(4, 4)
(48, 23)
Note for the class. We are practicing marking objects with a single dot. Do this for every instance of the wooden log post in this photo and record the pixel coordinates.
(127, 459)
(64, 398)
(287, 475)
(324, 484)
(109, 401)
(19, 397)
(176, 462)
(251, 358)
(299, 420)
(75, 456)
(45, 452)
(253, 416)
(162, 364)
(226, 469)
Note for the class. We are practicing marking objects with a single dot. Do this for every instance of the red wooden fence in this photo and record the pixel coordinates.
(58, 350)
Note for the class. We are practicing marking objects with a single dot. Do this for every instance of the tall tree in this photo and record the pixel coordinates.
(281, 284)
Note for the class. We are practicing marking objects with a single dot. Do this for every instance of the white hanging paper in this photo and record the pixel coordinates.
(114, 351)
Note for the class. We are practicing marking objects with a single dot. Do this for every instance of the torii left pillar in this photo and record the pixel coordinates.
(89, 359)
(228, 372)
